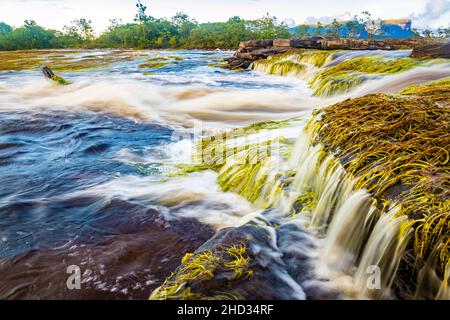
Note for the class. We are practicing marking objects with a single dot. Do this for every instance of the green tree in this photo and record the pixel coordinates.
(5, 28)
(353, 28)
(319, 29)
(443, 32)
(302, 30)
(30, 36)
(268, 27)
(334, 29)
(427, 33)
(141, 15)
(183, 24)
(415, 32)
(85, 29)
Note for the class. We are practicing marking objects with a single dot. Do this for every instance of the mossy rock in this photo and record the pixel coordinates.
(397, 148)
(61, 61)
(153, 65)
(346, 75)
(234, 265)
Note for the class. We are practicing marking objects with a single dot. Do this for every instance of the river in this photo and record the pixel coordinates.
(88, 174)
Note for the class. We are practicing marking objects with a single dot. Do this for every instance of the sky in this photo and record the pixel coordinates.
(57, 13)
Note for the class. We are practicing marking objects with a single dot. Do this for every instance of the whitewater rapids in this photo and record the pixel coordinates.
(90, 169)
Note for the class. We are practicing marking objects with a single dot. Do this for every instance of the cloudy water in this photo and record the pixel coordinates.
(88, 175)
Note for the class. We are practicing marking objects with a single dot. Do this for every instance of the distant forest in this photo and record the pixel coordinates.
(180, 31)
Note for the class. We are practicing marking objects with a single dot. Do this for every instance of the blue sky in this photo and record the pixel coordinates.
(57, 13)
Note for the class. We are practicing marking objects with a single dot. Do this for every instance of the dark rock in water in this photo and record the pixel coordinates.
(235, 63)
(273, 264)
(48, 73)
(438, 50)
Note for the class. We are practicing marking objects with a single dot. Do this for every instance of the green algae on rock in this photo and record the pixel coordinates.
(292, 63)
(176, 58)
(243, 263)
(438, 91)
(153, 65)
(52, 76)
(349, 73)
(397, 148)
(198, 271)
(61, 60)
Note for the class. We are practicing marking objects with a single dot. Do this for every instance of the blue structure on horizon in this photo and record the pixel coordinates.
(394, 29)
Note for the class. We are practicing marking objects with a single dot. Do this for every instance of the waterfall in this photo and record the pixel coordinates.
(311, 188)
(300, 65)
(331, 73)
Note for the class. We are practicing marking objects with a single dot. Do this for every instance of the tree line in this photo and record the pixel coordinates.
(145, 32)
(180, 31)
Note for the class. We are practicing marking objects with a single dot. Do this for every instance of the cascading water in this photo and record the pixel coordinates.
(358, 238)
(353, 73)
(129, 178)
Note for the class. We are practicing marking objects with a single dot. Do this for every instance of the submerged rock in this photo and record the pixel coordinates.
(48, 73)
(438, 50)
(392, 147)
(396, 148)
(153, 64)
(253, 261)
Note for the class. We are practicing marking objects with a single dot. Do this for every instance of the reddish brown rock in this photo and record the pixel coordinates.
(439, 50)
(256, 43)
(282, 42)
(253, 50)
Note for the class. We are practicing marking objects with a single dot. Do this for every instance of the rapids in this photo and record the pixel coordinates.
(90, 176)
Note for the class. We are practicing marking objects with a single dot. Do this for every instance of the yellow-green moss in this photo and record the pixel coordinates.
(245, 178)
(242, 167)
(153, 65)
(89, 63)
(176, 58)
(397, 148)
(21, 60)
(61, 61)
(292, 63)
(203, 266)
(349, 73)
(158, 58)
(306, 201)
(282, 68)
(59, 80)
(438, 91)
(316, 58)
(339, 83)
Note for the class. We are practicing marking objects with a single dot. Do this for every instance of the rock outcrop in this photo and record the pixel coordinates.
(48, 73)
(438, 50)
(254, 50)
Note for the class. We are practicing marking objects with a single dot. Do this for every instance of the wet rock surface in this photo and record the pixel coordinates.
(254, 50)
(276, 269)
(439, 50)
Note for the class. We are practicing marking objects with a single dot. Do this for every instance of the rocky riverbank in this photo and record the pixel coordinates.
(253, 50)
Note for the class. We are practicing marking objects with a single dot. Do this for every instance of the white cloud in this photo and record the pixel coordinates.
(288, 21)
(56, 13)
(435, 14)
(339, 17)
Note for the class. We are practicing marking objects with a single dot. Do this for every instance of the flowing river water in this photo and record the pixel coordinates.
(87, 179)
